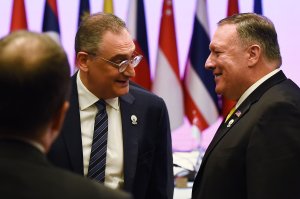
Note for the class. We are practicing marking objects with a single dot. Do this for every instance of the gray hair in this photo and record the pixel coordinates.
(92, 28)
(253, 28)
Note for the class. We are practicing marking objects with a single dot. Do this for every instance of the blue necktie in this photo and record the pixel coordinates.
(97, 163)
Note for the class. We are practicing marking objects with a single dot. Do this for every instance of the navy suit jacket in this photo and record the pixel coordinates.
(26, 173)
(256, 153)
(148, 163)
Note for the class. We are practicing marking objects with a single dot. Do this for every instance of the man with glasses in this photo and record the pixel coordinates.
(34, 98)
(124, 142)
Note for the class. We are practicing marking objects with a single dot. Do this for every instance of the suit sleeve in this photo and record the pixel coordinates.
(162, 178)
(273, 154)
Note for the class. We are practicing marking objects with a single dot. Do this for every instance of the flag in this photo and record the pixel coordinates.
(258, 7)
(84, 9)
(18, 18)
(50, 24)
(233, 8)
(200, 98)
(167, 82)
(137, 27)
(108, 6)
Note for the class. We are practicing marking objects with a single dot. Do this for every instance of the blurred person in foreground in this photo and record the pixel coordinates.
(135, 152)
(255, 153)
(35, 84)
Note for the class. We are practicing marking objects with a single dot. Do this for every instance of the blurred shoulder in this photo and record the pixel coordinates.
(76, 186)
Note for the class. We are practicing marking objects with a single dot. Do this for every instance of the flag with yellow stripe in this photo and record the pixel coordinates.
(108, 6)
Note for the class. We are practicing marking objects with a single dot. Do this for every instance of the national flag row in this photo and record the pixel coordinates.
(194, 96)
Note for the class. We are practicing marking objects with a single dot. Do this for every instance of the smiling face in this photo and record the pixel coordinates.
(101, 77)
(228, 61)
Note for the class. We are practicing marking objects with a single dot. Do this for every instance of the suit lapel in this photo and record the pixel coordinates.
(130, 139)
(72, 131)
(238, 114)
(226, 126)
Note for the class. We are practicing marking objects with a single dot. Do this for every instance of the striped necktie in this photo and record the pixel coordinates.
(97, 162)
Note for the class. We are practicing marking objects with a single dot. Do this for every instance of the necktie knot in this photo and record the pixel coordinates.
(101, 105)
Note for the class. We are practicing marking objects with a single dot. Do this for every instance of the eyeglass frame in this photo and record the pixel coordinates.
(119, 66)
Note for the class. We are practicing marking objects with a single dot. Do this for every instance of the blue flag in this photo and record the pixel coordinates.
(50, 23)
(84, 8)
(258, 7)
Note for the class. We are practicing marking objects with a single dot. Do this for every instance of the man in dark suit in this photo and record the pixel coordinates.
(255, 153)
(137, 146)
(35, 84)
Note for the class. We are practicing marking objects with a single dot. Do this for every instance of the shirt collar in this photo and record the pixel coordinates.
(113, 102)
(87, 98)
(254, 86)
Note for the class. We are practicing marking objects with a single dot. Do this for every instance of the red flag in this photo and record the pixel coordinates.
(233, 8)
(137, 27)
(167, 83)
(18, 18)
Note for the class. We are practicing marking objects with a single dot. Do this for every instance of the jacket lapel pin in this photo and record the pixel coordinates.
(238, 113)
(230, 123)
(133, 119)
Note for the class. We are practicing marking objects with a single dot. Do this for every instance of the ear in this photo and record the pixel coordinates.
(254, 53)
(81, 61)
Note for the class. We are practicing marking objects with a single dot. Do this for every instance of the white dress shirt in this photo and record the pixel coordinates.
(114, 177)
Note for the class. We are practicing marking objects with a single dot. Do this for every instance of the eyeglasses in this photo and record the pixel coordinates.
(124, 64)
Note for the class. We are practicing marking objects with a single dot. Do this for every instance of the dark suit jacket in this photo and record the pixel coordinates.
(148, 170)
(258, 155)
(25, 173)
